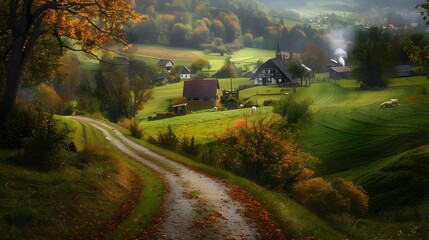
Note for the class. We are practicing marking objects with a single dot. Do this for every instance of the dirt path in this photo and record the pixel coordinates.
(197, 206)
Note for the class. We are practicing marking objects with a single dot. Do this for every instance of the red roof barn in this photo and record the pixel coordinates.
(201, 94)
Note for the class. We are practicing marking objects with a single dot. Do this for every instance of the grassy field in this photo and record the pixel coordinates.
(71, 202)
(384, 150)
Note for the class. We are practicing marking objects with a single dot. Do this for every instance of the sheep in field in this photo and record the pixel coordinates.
(253, 109)
(394, 101)
(386, 104)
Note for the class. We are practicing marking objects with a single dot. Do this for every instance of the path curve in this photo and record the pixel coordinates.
(197, 206)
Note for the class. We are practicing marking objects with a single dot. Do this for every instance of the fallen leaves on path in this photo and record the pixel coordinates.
(254, 212)
(123, 213)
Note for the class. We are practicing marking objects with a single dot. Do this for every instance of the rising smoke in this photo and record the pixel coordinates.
(340, 41)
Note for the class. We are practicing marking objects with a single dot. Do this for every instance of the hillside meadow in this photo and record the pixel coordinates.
(384, 150)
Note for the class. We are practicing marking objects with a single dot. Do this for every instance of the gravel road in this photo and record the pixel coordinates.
(196, 206)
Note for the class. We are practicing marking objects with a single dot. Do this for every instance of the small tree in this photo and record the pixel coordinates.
(297, 114)
(168, 139)
(297, 70)
(140, 94)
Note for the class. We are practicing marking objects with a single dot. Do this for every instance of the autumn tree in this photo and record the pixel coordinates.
(315, 58)
(199, 64)
(77, 25)
(232, 26)
(259, 148)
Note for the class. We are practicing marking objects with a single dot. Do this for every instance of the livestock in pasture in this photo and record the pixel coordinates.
(386, 104)
(394, 101)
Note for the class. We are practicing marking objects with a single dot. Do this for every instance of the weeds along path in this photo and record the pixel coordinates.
(197, 206)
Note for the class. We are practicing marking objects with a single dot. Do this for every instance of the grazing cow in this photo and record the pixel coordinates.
(394, 101)
(386, 104)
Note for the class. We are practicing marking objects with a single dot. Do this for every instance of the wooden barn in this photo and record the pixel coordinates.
(201, 94)
(342, 72)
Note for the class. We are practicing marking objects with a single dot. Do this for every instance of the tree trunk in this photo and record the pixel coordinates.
(23, 43)
(15, 69)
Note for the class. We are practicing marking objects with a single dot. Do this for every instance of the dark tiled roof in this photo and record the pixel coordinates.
(163, 62)
(200, 88)
(341, 69)
(184, 70)
(280, 64)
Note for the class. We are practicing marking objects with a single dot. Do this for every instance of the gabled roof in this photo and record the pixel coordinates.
(184, 70)
(279, 64)
(163, 62)
(333, 63)
(344, 69)
(200, 88)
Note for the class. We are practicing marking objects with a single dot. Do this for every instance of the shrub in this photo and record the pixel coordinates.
(320, 197)
(42, 147)
(21, 125)
(188, 147)
(269, 102)
(168, 139)
(327, 199)
(297, 114)
(356, 195)
(133, 126)
(46, 98)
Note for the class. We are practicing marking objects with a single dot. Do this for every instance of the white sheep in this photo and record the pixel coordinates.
(254, 109)
(386, 104)
(241, 106)
(394, 101)
(215, 108)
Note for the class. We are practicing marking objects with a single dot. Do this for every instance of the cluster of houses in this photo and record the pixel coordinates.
(204, 94)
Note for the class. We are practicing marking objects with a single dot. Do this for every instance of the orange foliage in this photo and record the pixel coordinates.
(89, 23)
(256, 146)
(356, 195)
(338, 197)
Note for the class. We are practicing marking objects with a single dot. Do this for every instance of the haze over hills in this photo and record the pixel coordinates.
(403, 7)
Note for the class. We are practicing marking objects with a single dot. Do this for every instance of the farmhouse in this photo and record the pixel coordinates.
(201, 94)
(274, 71)
(166, 63)
(342, 72)
(184, 73)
